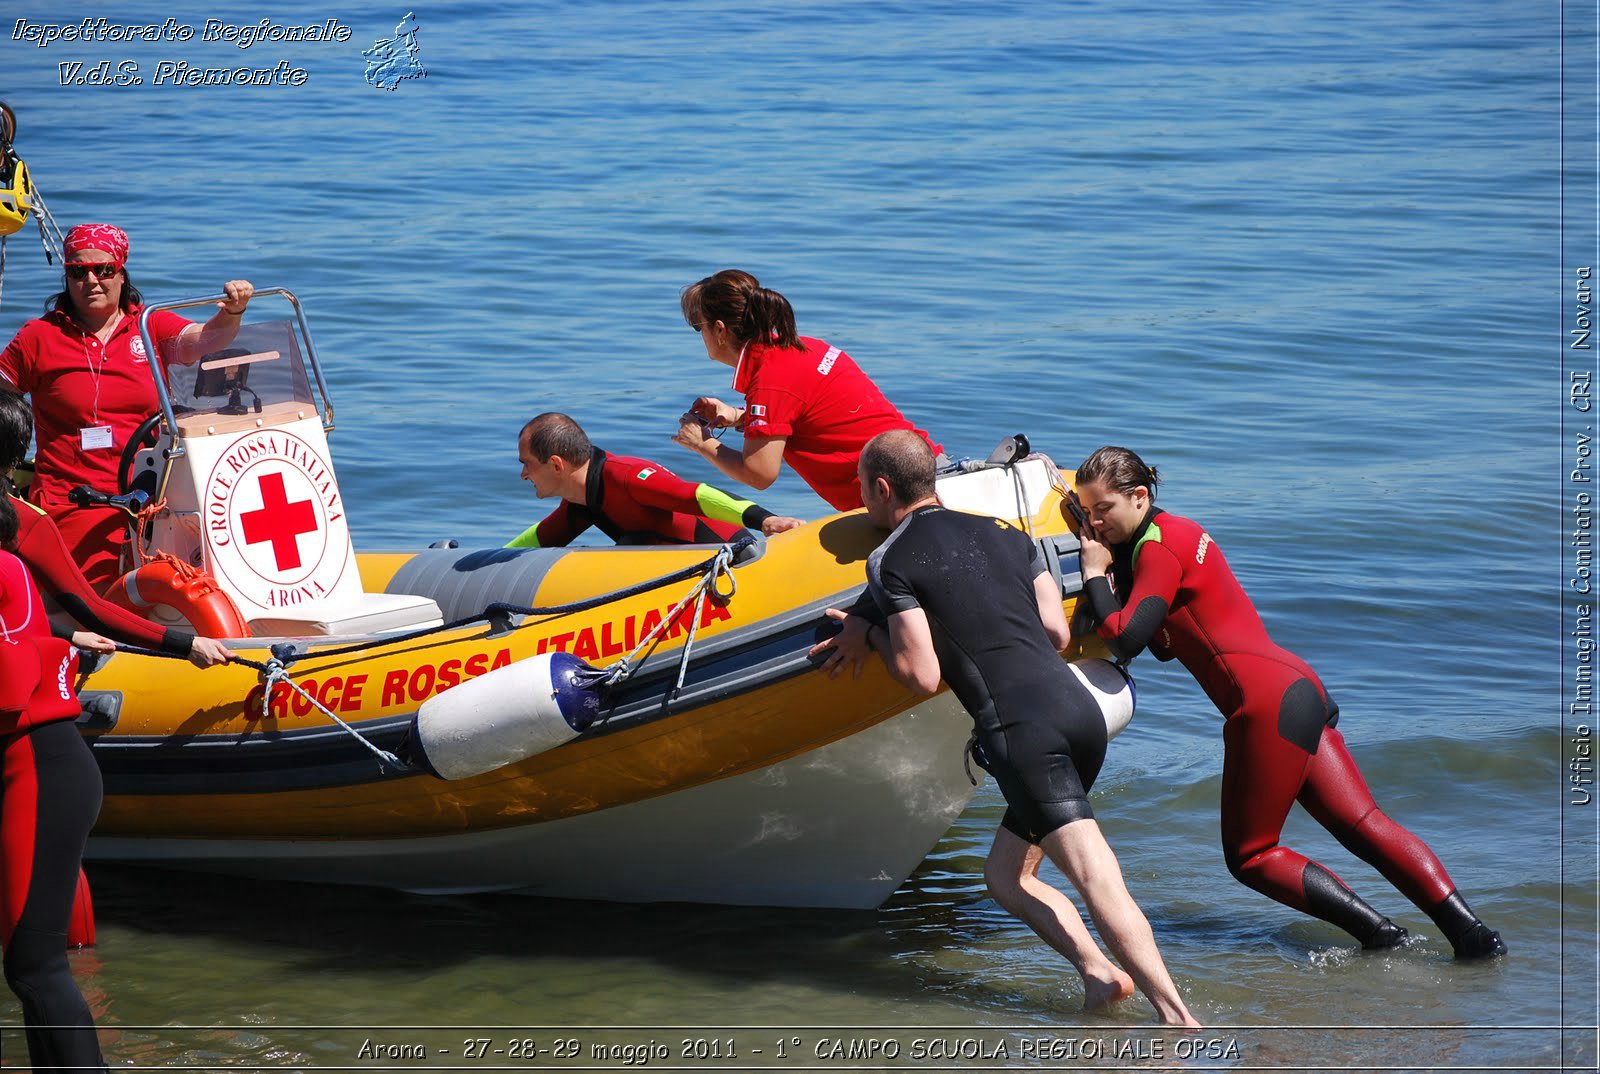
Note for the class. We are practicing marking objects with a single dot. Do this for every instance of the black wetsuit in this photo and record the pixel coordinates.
(1042, 735)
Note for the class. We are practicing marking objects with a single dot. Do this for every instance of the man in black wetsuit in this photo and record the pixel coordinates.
(968, 599)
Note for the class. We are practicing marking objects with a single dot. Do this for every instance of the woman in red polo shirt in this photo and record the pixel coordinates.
(85, 369)
(806, 403)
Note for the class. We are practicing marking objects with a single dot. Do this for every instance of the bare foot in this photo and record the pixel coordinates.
(1099, 994)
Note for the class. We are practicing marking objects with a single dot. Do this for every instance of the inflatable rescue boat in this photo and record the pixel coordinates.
(629, 723)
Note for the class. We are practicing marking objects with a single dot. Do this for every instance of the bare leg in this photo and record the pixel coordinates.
(1012, 872)
(1083, 855)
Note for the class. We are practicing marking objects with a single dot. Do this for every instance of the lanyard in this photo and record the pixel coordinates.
(88, 360)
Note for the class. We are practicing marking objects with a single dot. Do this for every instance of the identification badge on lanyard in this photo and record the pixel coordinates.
(95, 437)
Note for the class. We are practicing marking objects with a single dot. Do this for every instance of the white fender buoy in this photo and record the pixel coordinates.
(506, 716)
(1111, 687)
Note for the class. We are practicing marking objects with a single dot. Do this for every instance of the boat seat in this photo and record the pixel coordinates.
(366, 613)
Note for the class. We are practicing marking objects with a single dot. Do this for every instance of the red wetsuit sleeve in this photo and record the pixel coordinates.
(658, 487)
(1127, 626)
(39, 545)
(562, 525)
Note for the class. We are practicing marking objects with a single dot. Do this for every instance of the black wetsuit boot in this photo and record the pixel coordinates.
(1338, 905)
(1470, 937)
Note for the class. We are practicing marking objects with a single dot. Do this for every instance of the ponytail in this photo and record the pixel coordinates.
(754, 314)
(16, 431)
(768, 318)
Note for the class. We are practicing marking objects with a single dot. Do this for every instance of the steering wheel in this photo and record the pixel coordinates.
(147, 435)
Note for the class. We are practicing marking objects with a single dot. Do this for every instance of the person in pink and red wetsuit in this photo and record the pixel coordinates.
(1174, 592)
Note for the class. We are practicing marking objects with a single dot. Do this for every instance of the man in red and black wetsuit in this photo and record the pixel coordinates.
(632, 501)
(1175, 593)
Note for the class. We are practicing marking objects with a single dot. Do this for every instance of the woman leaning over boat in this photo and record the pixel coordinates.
(806, 403)
(1175, 593)
(49, 798)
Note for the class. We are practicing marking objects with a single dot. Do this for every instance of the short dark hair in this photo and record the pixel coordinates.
(553, 433)
(903, 459)
(1119, 470)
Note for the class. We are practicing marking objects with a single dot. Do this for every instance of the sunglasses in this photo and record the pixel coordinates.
(103, 270)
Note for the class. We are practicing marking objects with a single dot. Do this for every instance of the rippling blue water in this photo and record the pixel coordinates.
(1297, 255)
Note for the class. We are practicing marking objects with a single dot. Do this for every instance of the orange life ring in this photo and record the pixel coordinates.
(169, 582)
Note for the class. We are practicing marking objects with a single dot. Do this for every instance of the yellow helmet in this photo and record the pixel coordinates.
(16, 194)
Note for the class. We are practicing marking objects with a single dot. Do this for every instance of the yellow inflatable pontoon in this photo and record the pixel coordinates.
(736, 775)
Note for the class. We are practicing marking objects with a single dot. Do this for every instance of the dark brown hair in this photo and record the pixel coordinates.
(737, 299)
(16, 430)
(553, 433)
(903, 459)
(1118, 469)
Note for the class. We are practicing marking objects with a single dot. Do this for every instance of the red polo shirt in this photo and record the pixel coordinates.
(825, 405)
(75, 382)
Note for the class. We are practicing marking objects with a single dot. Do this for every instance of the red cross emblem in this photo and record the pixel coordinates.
(279, 521)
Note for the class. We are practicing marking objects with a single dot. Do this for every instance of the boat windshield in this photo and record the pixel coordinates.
(263, 367)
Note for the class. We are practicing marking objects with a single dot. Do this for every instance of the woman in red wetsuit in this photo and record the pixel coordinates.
(806, 403)
(49, 798)
(84, 366)
(1175, 593)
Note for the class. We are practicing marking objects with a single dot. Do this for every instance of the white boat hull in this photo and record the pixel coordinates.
(841, 826)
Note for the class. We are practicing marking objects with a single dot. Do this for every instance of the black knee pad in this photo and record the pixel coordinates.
(1302, 714)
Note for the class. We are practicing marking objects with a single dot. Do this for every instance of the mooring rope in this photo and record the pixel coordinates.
(718, 568)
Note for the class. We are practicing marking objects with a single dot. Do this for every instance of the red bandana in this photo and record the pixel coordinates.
(106, 238)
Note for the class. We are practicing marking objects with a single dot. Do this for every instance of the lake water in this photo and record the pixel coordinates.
(1306, 258)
